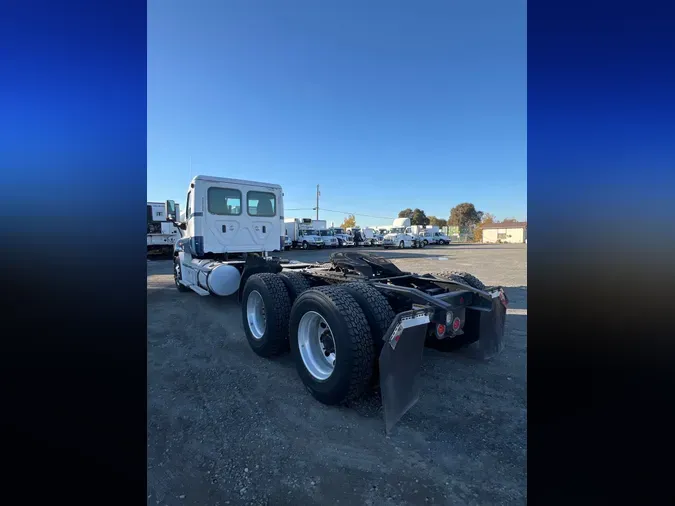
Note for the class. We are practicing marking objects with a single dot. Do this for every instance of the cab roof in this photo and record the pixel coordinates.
(214, 179)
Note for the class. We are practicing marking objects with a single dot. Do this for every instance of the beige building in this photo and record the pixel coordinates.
(505, 232)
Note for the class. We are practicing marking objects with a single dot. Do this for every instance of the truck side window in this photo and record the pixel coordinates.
(224, 201)
(261, 204)
(188, 209)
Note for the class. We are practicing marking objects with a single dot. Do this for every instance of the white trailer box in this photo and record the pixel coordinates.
(418, 229)
(302, 233)
(319, 224)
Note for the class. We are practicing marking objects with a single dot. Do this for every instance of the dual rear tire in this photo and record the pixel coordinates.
(335, 333)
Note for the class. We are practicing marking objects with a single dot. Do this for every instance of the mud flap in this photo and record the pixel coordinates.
(491, 340)
(400, 365)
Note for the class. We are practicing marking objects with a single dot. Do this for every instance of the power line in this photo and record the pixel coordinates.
(341, 212)
(358, 214)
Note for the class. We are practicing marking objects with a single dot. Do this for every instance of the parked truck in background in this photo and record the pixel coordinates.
(302, 233)
(161, 233)
(329, 240)
(344, 239)
(435, 237)
(398, 237)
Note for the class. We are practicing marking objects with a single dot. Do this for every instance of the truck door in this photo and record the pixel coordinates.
(261, 207)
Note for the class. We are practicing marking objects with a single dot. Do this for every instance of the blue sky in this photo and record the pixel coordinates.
(386, 105)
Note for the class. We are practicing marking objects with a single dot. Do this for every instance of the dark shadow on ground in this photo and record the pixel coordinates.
(517, 296)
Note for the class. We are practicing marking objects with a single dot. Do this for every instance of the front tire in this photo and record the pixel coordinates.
(305, 245)
(177, 274)
(331, 344)
(401, 245)
(265, 305)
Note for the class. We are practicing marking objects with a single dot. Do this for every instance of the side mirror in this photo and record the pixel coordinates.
(170, 210)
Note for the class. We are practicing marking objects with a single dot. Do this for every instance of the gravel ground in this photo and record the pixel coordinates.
(228, 427)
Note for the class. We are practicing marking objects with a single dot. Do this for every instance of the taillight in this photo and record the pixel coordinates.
(456, 324)
(440, 330)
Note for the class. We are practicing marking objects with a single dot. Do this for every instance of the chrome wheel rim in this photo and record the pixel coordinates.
(176, 272)
(255, 314)
(317, 345)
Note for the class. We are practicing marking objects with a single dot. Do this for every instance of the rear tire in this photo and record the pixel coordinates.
(353, 344)
(463, 277)
(295, 283)
(375, 307)
(271, 338)
(177, 274)
(379, 315)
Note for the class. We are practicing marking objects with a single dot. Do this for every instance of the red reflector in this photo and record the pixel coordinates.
(440, 329)
(456, 323)
(397, 337)
(461, 300)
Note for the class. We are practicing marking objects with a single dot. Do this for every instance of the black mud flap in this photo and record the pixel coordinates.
(400, 365)
(491, 340)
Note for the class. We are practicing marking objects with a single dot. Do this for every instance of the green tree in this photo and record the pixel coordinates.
(406, 213)
(465, 215)
(509, 220)
(419, 218)
(349, 222)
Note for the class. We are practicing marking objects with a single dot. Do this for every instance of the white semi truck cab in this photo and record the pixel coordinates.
(400, 236)
(226, 220)
(344, 239)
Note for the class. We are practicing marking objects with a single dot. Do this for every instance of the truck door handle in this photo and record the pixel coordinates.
(264, 229)
(224, 228)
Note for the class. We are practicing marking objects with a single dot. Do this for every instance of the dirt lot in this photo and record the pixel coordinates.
(228, 427)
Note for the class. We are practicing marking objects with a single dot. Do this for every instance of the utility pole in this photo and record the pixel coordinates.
(318, 193)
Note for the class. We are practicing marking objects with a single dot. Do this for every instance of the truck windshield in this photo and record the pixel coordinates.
(308, 232)
(324, 233)
(397, 230)
(338, 231)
